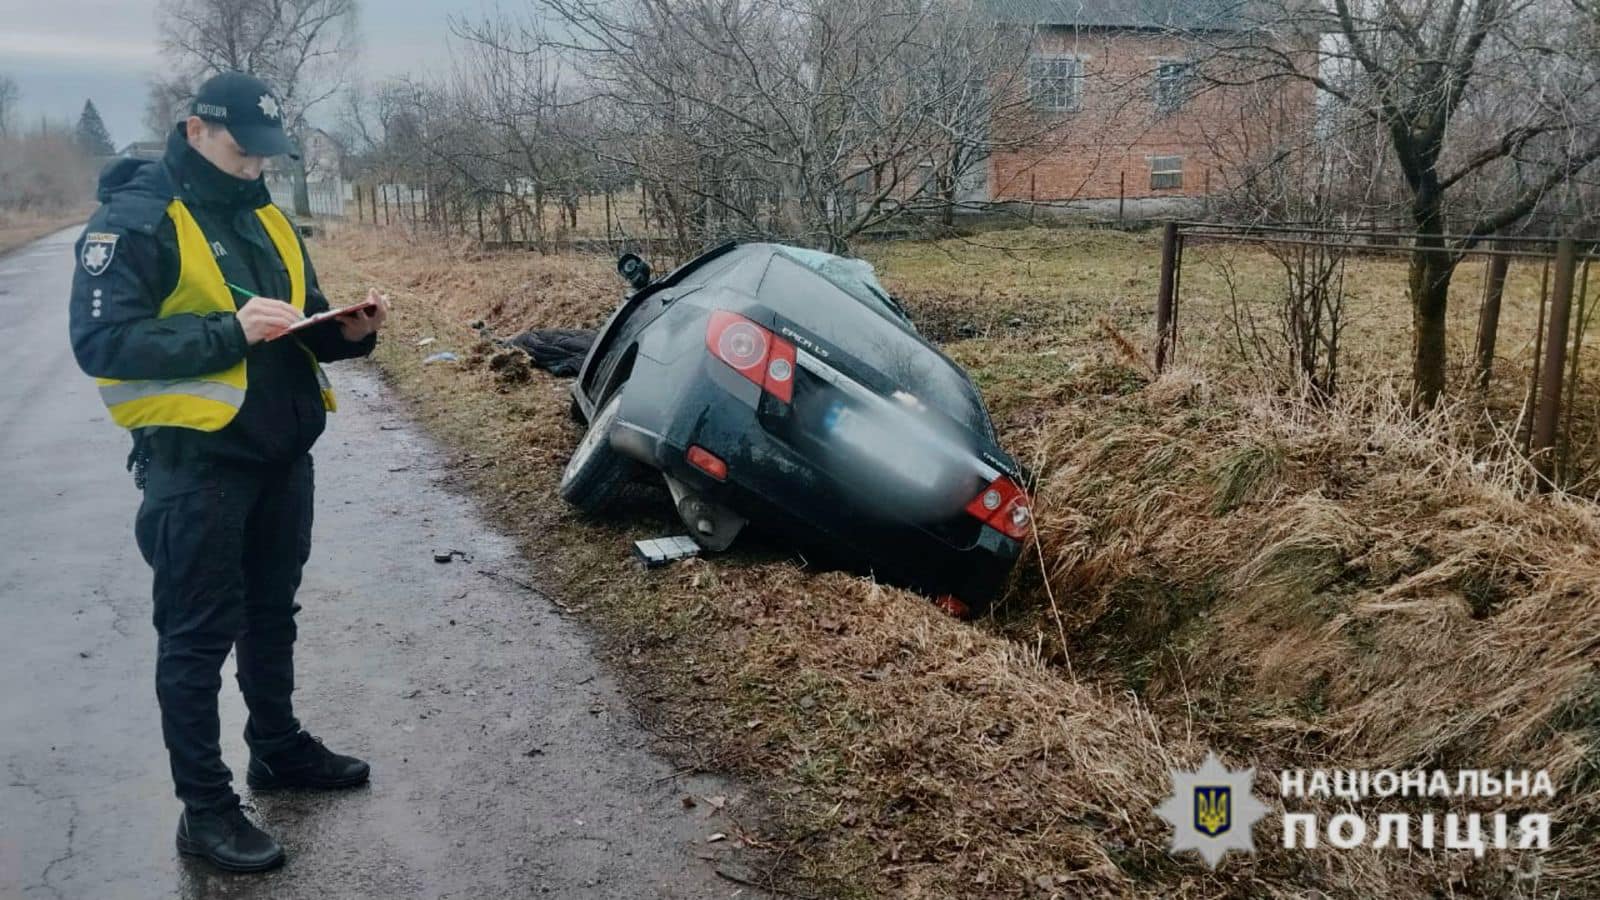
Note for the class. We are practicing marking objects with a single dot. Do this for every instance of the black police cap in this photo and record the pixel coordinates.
(250, 111)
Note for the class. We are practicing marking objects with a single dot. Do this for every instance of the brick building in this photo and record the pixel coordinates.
(1118, 105)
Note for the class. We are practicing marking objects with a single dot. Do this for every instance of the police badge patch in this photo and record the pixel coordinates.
(98, 248)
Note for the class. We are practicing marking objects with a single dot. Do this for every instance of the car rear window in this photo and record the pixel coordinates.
(855, 277)
(818, 305)
(726, 270)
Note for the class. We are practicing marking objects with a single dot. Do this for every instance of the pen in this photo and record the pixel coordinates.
(251, 295)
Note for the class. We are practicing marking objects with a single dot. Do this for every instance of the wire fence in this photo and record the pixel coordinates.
(1527, 363)
(516, 218)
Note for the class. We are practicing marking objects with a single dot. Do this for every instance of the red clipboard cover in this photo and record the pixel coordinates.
(309, 321)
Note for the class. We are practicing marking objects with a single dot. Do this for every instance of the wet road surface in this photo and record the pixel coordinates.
(505, 761)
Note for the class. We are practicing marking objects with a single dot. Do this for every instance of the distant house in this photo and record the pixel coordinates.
(323, 156)
(144, 150)
(1116, 108)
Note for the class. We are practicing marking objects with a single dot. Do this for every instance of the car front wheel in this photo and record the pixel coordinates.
(596, 472)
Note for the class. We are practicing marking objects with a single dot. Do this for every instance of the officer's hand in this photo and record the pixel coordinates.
(358, 325)
(264, 319)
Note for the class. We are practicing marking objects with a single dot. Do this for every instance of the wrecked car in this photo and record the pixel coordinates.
(785, 388)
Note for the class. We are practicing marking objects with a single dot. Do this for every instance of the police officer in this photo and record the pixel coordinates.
(187, 278)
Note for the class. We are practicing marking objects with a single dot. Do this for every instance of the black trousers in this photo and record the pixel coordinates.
(227, 543)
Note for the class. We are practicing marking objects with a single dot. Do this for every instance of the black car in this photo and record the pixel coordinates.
(785, 387)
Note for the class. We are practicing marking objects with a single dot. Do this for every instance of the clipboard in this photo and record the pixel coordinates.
(325, 316)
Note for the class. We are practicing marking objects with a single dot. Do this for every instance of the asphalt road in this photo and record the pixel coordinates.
(505, 761)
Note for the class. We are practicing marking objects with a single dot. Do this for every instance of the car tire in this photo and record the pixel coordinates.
(575, 412)
(595, 473)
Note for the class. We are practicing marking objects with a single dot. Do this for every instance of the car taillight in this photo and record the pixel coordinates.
(1005, 507)
(708, 462)
(754, 352)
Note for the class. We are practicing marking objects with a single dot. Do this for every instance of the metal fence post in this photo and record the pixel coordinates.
(1169, 271)
(1555, 350)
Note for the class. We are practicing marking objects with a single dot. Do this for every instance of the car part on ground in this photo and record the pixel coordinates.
(657, 552)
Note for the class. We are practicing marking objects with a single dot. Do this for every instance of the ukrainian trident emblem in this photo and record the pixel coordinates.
(1211, 809)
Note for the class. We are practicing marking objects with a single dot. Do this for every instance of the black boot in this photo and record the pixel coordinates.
(228, 840)
(308, 765)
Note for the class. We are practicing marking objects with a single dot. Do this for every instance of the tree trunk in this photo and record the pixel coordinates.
(1432, 266)
(1489, 318)
(302, 194)
(947, 193)
(1431, 270)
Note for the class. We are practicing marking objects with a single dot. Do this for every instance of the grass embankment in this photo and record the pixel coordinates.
(1346, 589)
(18, 228)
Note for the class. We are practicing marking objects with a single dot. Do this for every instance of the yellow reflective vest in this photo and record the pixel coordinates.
(207, 402)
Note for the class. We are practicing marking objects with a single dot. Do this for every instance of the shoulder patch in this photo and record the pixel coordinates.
(98, 249)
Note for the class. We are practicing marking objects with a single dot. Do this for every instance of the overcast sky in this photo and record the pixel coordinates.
(62, 52)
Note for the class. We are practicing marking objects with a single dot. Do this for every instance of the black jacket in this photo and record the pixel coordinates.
(115, 332)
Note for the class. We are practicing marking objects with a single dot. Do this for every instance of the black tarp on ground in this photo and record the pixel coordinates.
(559, 351)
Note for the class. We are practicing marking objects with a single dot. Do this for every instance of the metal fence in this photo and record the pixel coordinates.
(514, 217)
(327, 197)
(1546, 423)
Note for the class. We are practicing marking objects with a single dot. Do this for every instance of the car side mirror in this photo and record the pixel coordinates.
(635, 271)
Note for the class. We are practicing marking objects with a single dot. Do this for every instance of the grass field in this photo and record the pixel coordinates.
(1218, 566)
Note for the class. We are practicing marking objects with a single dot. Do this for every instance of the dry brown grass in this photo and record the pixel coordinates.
(1349, 588)
(18, 228)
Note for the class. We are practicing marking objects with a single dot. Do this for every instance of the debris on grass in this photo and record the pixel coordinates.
(657, 552)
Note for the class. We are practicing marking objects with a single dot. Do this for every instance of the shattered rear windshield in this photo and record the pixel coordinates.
(855, 277)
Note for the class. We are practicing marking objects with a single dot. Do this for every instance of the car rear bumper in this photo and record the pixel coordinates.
(783, 487)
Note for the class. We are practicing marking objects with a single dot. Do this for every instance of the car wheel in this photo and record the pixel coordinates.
(595, 472)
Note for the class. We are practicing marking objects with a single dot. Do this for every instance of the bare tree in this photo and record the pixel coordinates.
(10, 96)
(1487, 108)
(44, 170)
(166, 101)
(303, 48)
(813, 120)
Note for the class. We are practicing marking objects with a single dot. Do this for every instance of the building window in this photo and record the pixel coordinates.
(1166, 173)
(1174, 84)
(1054, 82)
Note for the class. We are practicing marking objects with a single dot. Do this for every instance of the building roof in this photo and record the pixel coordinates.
(144, 149)
(1185, 15)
